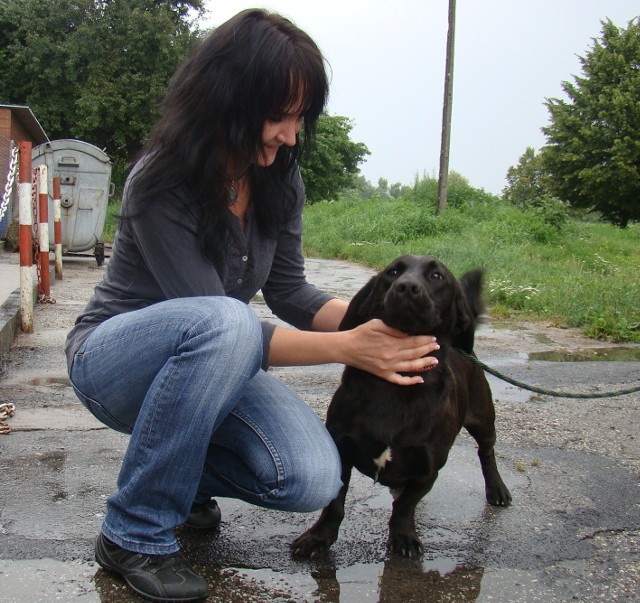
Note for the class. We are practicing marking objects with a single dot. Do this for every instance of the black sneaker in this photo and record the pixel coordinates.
(204, 516)
(155, 577)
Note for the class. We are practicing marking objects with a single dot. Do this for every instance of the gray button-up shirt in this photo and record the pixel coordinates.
(157, 257)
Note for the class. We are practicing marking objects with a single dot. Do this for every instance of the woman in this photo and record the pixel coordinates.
(168, 349)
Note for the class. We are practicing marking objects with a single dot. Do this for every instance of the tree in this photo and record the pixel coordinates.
(593, 150)
(528, 189)
(333, 163)
(397, 189)
(526, 181)
(93, 69)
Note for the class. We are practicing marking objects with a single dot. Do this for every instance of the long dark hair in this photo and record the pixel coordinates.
(256, 66)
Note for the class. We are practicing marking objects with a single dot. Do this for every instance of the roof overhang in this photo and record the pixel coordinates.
(29, 121)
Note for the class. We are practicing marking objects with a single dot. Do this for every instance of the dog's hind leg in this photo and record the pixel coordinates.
(495, 489)
(317, 540)
(403, 539)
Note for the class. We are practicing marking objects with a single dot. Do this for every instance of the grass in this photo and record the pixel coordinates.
(580, 274)
(111, 221)
(570, 273)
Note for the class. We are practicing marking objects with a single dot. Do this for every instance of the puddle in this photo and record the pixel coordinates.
(615, 354)
(393, 581)
(397, 581)
(506, 392)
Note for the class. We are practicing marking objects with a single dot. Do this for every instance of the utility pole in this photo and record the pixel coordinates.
(445, 143)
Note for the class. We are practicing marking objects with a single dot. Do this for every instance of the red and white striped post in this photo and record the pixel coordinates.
(25, 240)
(57, 226)
(44, 284)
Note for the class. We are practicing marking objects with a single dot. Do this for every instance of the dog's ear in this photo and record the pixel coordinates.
(361, 308)
(469, 306)
(471, 284)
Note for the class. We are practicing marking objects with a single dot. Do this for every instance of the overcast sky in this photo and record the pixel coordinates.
(387, 74)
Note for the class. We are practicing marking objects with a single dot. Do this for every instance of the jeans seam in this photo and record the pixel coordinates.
(280, 471)
(83, 351)
(82, 397)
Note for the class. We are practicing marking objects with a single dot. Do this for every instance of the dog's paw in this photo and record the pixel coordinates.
(310, 545)
(498, 495)
(407, 545)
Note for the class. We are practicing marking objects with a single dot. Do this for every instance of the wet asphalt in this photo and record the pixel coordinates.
(572, 466)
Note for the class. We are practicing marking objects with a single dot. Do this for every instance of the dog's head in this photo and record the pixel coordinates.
(420, 296)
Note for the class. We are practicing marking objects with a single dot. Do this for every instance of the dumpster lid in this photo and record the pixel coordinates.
(68, 144)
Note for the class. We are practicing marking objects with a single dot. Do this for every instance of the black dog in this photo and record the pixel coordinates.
(401, 435)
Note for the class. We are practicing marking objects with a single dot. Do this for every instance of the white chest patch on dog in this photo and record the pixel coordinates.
(383, 459)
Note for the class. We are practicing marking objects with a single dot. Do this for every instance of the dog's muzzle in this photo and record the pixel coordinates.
(407, 305)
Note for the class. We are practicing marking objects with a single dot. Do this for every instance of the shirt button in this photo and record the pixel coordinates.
(239, 281)
(245, 258)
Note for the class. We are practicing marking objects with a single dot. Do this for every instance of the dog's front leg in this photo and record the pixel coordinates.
(316, 541)
(496, 491)
(484, 432)
(403, 539)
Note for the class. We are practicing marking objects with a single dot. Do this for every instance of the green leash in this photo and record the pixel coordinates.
(542, 390)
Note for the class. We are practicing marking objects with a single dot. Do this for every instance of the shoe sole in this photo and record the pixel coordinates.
(192, 526)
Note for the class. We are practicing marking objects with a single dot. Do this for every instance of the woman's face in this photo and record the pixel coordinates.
(277, 132)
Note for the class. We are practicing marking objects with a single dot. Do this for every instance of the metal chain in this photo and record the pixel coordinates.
(6, 410)
(542, 390)
(11, 176)
(34, 227)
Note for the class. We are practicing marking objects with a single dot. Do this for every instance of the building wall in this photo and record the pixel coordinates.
(5, 123)
(12, 128)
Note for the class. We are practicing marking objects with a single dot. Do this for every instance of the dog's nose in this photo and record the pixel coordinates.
(408, 287)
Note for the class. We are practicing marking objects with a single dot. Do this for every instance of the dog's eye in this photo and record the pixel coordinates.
(437, 276)
(392, 272)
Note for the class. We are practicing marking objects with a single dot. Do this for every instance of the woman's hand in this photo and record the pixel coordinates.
(386, 352)
(373, 347)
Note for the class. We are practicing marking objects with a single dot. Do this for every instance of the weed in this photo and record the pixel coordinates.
(540, 264)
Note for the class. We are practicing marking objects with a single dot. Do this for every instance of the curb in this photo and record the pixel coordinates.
(9, 320)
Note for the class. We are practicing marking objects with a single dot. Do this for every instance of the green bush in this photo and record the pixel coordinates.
(111, 221)
(541, 262)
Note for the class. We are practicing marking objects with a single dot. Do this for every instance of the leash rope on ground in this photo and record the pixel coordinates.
(542, 390)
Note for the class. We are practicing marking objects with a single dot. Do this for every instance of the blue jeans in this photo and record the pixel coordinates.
(183, 378)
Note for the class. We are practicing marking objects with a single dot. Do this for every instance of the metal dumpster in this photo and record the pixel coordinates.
(85, 187)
